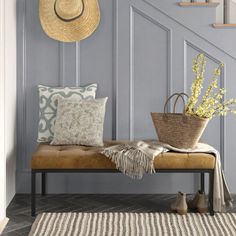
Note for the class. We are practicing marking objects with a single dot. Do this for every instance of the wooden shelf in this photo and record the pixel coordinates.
(224, 26)
(198, 4)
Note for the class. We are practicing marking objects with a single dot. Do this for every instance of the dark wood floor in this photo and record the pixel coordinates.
(19, 210)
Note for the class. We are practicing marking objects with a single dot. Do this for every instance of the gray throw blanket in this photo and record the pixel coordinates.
(137, 158)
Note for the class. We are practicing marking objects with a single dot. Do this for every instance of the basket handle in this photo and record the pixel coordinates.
(182, 97)
(179, 95)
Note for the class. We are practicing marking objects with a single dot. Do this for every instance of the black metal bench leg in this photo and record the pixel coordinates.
(33, 188)
(211, 189)
(202, 182)
(44, 184)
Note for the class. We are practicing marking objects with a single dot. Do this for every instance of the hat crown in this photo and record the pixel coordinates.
(69, 9)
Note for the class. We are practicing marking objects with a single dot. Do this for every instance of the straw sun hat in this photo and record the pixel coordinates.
(69, 20)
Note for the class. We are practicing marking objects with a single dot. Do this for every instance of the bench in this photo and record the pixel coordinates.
(61, 159)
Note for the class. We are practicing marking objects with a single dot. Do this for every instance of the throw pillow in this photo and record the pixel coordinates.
(80, 122)
(48, 97)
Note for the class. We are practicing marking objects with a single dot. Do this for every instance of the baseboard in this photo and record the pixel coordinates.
(3, 224)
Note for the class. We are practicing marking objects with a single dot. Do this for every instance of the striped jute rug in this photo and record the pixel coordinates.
(134, 224)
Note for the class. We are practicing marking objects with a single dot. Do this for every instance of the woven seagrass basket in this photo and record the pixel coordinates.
(177, 129)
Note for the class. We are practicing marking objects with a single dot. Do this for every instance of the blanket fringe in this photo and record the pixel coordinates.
(137, 158)
(130, 160)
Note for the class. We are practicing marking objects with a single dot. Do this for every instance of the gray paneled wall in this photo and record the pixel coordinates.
(140, 54)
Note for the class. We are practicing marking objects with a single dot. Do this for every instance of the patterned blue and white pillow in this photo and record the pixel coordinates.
(48, 97)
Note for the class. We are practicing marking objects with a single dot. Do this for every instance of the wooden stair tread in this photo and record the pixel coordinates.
(216, 25)
(198, 4)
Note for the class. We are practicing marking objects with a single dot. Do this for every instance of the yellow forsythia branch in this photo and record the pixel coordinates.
(212, 103)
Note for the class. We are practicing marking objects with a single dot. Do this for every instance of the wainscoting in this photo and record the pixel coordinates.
(141, 53)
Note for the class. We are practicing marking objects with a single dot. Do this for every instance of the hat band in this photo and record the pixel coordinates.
(72, 19)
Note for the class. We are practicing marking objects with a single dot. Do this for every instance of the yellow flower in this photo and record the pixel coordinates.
(222, 64)
(223, 91)
(212, 103)
(217, 72)
(218, 96)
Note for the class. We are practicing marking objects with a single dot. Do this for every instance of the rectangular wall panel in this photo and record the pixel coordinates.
(149, 79)
(214, 133)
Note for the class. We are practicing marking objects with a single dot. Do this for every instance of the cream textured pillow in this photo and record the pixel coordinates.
(79, 122)
(48, 105)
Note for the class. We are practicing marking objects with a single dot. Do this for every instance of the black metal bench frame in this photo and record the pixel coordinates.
(45, 171)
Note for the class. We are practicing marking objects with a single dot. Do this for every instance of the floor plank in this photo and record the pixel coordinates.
(19, 210)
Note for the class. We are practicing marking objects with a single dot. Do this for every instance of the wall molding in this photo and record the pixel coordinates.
(3, 224)
(64, 50)
(131, 75)
(77, 64)
(115, 98)
(133, 10)
(69, 59)
(115, 73)
(188, 28)
(187, 44)
(62, 63)
(21, 88)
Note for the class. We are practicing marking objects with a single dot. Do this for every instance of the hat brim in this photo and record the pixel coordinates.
(72, 31)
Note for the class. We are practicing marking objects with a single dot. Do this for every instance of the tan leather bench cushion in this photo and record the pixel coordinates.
(80, 157)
